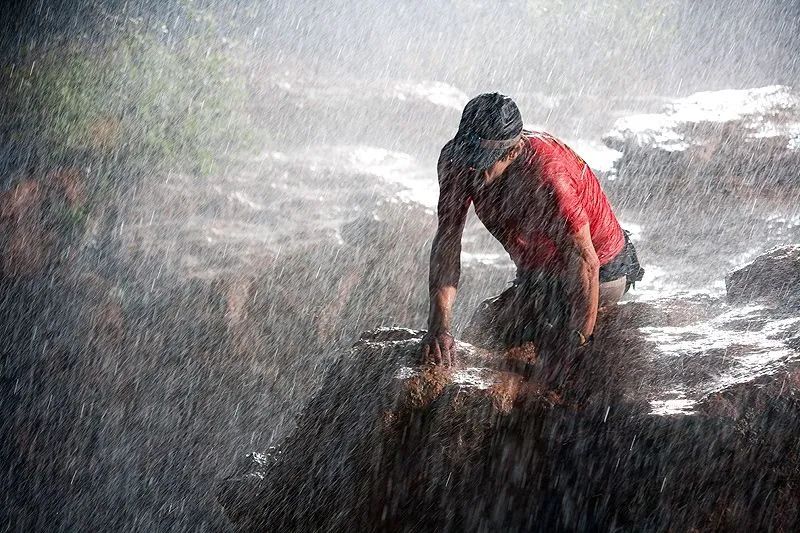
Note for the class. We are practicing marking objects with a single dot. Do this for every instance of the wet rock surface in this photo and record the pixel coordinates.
(134, 386)
(711, 182)
(37, 218)
(682, 416)
(734, 140)
(131, 380)
(773, 277)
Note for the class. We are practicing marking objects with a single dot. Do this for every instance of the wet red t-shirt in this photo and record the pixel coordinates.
(551, 191)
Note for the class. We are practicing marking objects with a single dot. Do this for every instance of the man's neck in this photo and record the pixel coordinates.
(514, 165)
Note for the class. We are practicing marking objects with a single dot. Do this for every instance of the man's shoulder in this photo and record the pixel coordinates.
(545, 144)
(447, 153)
(554, 155)
(447, 160)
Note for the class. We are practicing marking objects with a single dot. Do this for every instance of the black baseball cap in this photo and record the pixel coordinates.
(490, 124)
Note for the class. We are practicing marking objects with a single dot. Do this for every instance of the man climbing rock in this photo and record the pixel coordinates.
(546, 207)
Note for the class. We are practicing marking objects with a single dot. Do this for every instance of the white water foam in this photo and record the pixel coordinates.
(749, 105)
(487, 259)
(418, 182)
(435, 92)
(765, 352)
(600, 157)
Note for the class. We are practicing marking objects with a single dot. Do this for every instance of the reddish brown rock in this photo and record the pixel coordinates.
(26, 246)
(36, 223)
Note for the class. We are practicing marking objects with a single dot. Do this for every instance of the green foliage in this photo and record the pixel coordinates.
(141, 100)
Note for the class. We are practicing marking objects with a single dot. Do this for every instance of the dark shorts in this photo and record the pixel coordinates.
(626, 264)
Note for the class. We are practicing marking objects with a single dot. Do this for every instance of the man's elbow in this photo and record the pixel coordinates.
(585, 262)
(591, 262)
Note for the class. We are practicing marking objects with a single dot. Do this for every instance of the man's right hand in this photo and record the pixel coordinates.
(438, 348)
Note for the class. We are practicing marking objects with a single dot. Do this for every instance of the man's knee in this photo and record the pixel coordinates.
(612, 291)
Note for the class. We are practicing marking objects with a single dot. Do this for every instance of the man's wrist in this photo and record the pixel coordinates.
(438, 324)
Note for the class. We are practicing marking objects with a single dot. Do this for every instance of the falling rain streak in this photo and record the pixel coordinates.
(204, 205)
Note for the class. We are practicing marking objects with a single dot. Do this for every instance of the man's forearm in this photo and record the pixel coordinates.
(441, 310)
(445, 271)
(585, 296)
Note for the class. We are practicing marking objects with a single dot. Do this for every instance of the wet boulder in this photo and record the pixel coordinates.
(773, 278)
(553, 440)
(726, 140)
(362, 456)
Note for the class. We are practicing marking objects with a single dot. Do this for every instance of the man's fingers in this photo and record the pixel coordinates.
(437, 353)
(438, 350)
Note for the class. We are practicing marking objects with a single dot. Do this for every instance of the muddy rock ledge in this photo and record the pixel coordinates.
(493, 445)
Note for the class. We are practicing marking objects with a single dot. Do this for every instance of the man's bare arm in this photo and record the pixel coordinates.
(583, 281)
(445, 272)
(445, 267)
